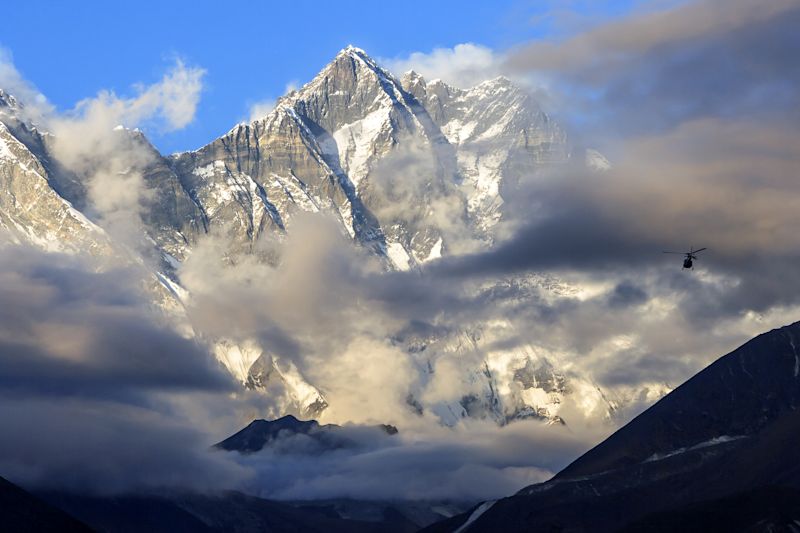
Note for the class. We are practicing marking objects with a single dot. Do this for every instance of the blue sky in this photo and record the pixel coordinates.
(250, 50)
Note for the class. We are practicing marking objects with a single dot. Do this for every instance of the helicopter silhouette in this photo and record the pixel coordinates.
(689, 256)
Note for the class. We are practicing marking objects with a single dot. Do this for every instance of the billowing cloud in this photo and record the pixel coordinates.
(708, 58)
(463, 65)
(68, 330)
(106, 448)
(695, 106)
(36, 105)
(92, 384)
(414, 186)
(490, 463)
(169, 104)
(87, 377)
(95, 141)
(261, 109)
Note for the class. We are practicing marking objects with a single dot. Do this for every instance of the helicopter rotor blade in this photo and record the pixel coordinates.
(700, 250)
(678, 253)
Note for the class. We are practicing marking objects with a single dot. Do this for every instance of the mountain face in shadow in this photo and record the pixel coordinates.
(701, 458)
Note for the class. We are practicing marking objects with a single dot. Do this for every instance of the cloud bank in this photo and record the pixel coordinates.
(463, 66)
(87, 376)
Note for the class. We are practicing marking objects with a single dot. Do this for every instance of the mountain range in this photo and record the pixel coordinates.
(409, 169)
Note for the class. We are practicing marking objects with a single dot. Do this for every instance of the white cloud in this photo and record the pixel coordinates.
(171, 104)
(261, 109)
(463, 65)
(113, 162)
(11, 81)
(291, 86)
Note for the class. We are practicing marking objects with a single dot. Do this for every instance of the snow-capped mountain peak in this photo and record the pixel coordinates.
(411, 170)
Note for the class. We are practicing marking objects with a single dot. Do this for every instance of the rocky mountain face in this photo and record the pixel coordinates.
(719, 453)
(33, 204)
(356, 140)
(410, 169)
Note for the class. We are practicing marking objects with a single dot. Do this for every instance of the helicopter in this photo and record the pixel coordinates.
(689, 256)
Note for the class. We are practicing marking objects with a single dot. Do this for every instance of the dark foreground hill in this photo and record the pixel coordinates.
(223, 512)
(22, 512)
(719, 453)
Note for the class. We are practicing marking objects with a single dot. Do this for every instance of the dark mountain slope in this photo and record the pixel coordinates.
(730, 434)
(739, 394)
(21, 512)
(229, 512)
(771, 509)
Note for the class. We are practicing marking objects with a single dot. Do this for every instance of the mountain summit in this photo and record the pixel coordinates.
(326, 146)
